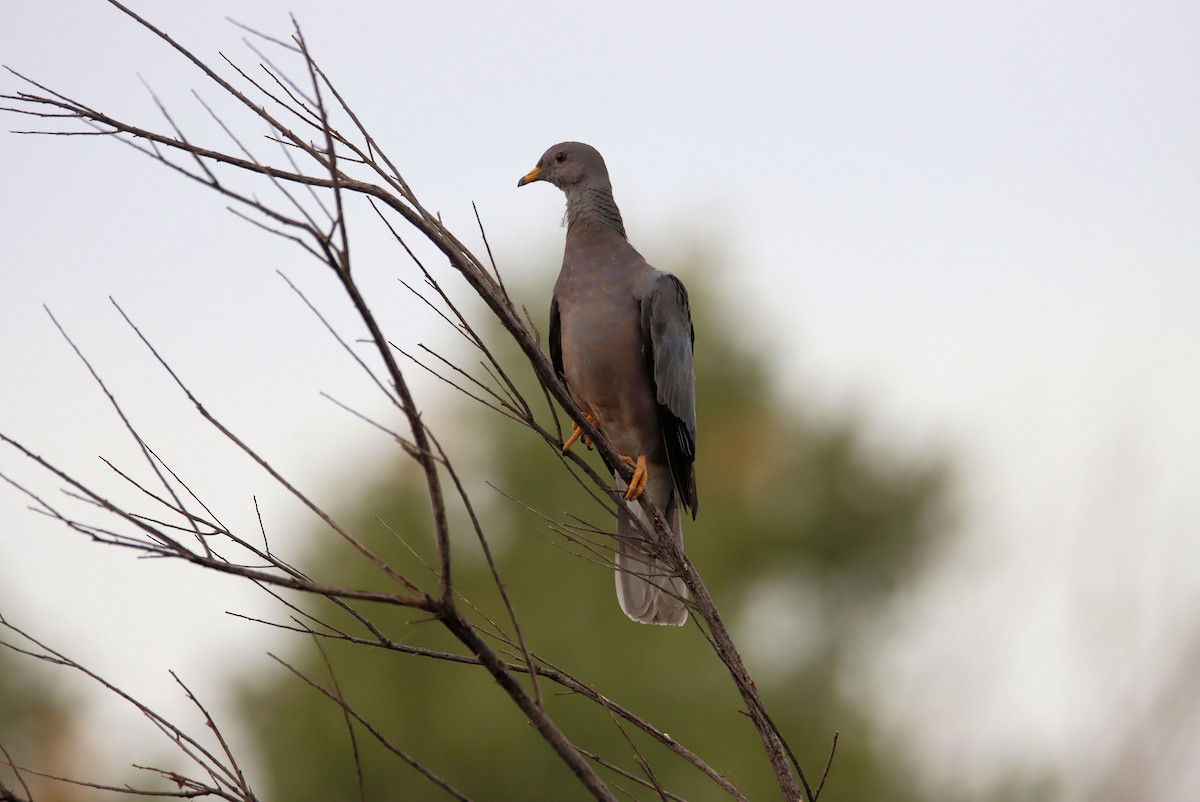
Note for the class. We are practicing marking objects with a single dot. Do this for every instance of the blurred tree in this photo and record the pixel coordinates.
(802, 537)
(36, 730)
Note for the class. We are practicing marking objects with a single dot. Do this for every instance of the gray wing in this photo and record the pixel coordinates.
(667, 329)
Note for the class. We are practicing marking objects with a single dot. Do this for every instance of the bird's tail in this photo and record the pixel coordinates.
(646, 588)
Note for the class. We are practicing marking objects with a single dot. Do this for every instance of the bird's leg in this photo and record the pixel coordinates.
(575, 435)
(637, 485)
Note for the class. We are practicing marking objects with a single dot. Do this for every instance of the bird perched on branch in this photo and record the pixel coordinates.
(621, 339)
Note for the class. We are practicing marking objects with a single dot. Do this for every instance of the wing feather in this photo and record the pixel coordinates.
(667, 329)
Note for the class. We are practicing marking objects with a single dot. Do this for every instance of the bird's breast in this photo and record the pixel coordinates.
(604, 359)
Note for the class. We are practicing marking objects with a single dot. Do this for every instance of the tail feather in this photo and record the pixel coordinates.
(646, 588)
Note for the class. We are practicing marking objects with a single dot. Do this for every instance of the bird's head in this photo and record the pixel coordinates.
(570, 166)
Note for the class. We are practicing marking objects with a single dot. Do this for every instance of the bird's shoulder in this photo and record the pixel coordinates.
(652, 284)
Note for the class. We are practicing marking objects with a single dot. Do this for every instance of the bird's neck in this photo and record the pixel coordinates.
(589, 206)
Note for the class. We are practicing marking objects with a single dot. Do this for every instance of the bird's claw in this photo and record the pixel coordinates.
(637, 485)
(578, 433)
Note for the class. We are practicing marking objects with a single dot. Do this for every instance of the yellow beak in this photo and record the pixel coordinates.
(532, 175)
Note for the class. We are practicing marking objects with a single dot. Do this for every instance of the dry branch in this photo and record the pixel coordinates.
(326, 164)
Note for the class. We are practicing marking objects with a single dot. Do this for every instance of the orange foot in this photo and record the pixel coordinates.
(637, 485)
(575, 435)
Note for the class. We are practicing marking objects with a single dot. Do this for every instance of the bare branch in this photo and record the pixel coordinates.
(330, 170)
(375, 733)
(229, 783)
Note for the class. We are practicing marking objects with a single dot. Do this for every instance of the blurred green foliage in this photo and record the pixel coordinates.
(804, 537)
(35, 722)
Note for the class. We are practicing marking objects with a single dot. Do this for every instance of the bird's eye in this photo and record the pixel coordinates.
(560, 157)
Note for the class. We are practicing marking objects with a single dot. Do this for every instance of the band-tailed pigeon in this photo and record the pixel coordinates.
(621, 339)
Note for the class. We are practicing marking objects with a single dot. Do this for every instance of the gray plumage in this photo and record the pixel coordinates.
(621, 338)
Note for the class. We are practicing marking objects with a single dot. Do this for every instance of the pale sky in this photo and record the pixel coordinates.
(974, 225)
